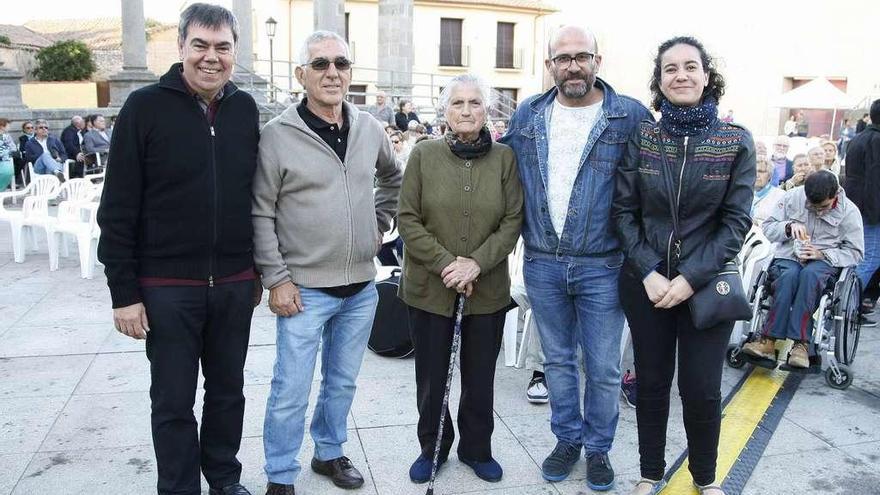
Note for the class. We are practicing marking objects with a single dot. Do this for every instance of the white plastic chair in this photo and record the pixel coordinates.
(511, 320)
(79, 219)
(34, 212)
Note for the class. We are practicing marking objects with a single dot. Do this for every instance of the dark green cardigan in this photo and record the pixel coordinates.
(452, 207)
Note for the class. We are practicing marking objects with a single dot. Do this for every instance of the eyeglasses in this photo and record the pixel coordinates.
(564, 61)
(322, 63)
(28, 127)
(395, 141)
(42, 127)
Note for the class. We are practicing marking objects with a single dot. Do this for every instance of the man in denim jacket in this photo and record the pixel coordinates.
(568, 143)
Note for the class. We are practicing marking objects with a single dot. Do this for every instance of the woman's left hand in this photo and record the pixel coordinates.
(679, 291)
(460, 273)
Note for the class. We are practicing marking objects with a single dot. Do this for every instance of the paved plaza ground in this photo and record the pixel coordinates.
(74, 411)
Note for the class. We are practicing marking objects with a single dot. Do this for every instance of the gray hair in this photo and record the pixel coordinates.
(562, 29)
(466, 79)
(209, 16)
(37, 122)
(317, 37)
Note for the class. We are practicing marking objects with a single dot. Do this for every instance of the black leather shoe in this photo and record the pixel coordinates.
(279, 489)
(340, 470)
(233, 489)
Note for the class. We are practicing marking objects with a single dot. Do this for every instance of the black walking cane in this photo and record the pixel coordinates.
(456, 340)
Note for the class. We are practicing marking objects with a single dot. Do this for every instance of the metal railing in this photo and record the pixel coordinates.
(421, 88)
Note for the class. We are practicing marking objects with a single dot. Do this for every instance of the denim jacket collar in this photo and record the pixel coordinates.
(611, 106)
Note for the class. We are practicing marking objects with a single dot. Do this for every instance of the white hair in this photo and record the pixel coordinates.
(470, 80)
(317, 37)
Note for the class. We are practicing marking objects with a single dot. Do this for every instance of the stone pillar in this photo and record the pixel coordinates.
(330, 16)
(134, 73)
(395, 46)
(244, 51)
(10, 90)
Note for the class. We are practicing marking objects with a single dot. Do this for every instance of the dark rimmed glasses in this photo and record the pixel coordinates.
(323, 63)
(564, 61)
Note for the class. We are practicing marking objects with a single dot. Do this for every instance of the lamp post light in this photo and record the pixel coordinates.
(270, 31)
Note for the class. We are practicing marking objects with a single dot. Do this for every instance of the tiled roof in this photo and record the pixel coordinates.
(99, 34)
(22, 36)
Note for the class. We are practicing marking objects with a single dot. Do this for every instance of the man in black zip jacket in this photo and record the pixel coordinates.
(176, 243)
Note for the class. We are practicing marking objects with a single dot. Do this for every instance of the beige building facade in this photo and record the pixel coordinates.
(449, 38)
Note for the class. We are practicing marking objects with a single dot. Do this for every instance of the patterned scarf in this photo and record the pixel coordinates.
(469, 150)
(688, 121)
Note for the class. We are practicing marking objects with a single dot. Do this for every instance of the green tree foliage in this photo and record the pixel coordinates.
(4, 40)
(65, 61)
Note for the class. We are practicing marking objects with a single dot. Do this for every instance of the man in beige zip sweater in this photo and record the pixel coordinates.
(317, 226)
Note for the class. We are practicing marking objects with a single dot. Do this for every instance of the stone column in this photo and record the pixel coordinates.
(244, 50)
(134, 73)
(330, 16)
(244, 75)
(10, 90)
(395, 46)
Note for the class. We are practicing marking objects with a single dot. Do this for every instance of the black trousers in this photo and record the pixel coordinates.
(480, 343)
(189, 325)
(655, 335)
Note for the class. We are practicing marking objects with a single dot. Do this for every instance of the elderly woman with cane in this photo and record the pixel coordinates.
(459, 216)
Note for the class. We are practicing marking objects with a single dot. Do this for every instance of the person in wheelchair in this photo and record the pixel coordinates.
(819, 232)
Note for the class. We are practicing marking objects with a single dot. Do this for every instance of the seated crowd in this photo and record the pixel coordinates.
(85, 144)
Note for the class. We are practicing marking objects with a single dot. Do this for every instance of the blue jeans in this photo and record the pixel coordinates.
(341, 327)
(796, 292)
(871, 263)
(45, 164)
(577, 304)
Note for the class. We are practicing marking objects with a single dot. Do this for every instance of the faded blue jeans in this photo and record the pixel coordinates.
(575, 303)
(341, 326)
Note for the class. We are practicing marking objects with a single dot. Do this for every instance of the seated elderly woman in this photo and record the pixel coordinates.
(459, 215)
(767, 196)
(819, 231)
(816, 155)
(801, 168)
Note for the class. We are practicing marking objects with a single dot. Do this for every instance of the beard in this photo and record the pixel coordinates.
(575, 92)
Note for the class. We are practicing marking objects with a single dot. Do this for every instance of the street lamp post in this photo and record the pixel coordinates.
(270, 31)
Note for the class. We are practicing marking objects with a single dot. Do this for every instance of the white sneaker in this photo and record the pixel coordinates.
(537, 392)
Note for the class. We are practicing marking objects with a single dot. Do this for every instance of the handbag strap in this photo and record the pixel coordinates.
(670, 190)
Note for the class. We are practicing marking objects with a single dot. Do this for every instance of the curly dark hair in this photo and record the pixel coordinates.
(716, 80)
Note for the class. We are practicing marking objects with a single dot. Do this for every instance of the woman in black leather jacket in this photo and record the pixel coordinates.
(712, 166)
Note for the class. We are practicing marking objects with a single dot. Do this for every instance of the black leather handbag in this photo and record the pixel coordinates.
(721, 300)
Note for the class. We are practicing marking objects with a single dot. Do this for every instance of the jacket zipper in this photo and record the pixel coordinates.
(677, 199)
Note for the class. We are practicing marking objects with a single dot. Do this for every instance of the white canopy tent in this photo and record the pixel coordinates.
(817, 94)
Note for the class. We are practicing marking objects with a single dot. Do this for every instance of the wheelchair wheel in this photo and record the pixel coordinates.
(841, 382)
(735, 358)
(849, 327)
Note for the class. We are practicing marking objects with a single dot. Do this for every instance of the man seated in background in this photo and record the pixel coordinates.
(818, 231)
(97, 140)
(46, 151)
(71, 138)
(783, 168)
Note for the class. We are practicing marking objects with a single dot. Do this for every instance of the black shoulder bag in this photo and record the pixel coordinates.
(723, 299)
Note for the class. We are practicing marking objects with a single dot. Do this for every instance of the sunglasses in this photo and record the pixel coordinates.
(42, 127)
(322, 63)
(395, 141)
(28, 127)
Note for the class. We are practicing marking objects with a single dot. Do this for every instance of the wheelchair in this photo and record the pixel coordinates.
(836, 323)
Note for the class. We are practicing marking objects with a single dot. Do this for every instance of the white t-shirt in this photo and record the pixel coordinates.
(569, 130)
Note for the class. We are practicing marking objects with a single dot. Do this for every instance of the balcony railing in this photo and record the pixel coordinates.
(511, 60)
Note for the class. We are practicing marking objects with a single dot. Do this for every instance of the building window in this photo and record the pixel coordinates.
(505, 105)
(357, 94)
(450, 42)
(504, 46)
